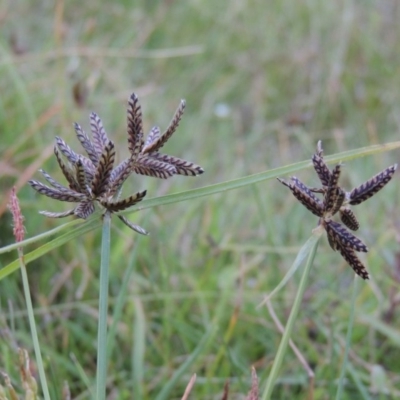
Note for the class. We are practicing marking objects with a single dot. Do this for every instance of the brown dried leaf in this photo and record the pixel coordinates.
(80, 93)
(372, 186)
(189, 387)
(225, 394)
(182, 167)
(134, 227)
(86, 144)
(351, 258)
(65, 195)
(66, 393)
(343, 238)
(158, 143)
(145, 165)
(135, 126)
(349, 219)
(116, 206)
(99, 134)
(102, 176)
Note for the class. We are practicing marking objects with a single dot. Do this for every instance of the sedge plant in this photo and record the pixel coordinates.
(335, 200)
(95, 181)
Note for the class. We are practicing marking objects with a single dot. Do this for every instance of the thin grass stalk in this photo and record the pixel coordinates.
(101, 374)
(31, 317)
(292, 318)
(138, 349)
(339, 392)
(362, 389)
(121, 299)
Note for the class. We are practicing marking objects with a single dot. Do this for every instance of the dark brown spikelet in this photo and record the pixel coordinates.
(153, 135)
(372, 186)
(119, 175)
(182, 167)
(332, 241)
(331, 196)
(134, 227)
(70, 155)
(349, 219)
(89, 167)
(81, 177)
(340, 198)
(104, 168)
(305, 189)
(135, 127)
(53, 182)
(343, 238)
(65, 195)
(86, 144)
(322, 170)
(57, 215)
(116, 206)
(354, 262)
(99, 134)
(69, 175)
(84, 209)
(158, 143)
(152, 167)
(312, 203)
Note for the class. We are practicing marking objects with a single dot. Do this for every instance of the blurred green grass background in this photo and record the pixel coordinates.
(263, 82)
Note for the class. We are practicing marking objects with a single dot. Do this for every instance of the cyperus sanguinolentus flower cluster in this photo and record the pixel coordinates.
(336, 200)
(94, 179)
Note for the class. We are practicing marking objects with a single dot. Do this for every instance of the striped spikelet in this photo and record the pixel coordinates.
(336, 200)
(372, 186)
(305, 196)
(349, 219)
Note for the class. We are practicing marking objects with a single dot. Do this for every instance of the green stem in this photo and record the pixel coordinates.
(32, 324)
(292, 317)
(348, 339)
(103, 308)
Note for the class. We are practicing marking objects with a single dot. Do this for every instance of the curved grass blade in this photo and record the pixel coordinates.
(301, 256)
(59, 241)
(261, 176)
(205, 191)
(348, 340)
(291, 320)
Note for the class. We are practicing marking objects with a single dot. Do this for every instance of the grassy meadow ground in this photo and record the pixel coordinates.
(263, 81)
